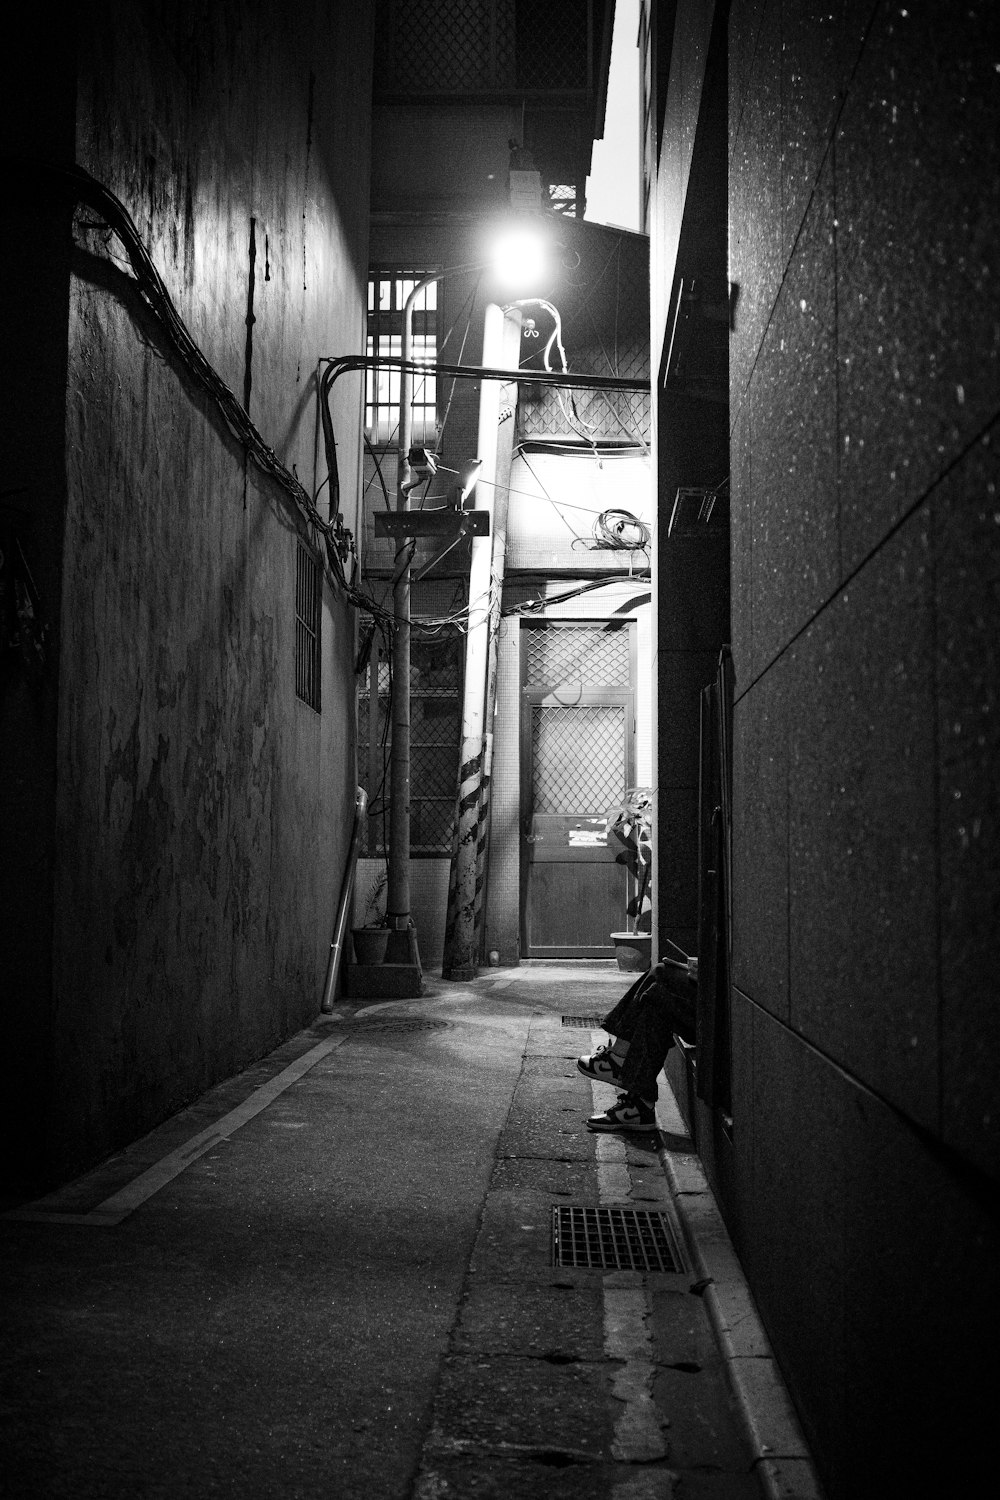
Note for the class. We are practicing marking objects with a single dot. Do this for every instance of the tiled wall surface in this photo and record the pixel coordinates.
(865, 586)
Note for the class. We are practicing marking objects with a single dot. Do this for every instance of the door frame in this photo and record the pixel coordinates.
(569, 694)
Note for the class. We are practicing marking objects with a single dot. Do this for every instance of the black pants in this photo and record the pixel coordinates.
(659, 1004)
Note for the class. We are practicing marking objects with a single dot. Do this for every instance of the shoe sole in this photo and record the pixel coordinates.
(611, 1078)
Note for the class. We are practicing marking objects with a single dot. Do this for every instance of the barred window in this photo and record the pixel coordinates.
(435, 744)
(308, 617)
(387, 294)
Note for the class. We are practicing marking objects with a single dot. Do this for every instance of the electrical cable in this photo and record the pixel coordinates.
(536, 606)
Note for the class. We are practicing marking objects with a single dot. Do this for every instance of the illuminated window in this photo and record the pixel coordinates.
(386, 297)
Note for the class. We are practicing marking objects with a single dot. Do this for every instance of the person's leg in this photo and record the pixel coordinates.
(665, 1007)
(605, 1062)
(621, 1020)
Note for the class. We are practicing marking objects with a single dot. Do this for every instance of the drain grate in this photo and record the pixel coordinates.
(586, 1023)
(613, 1239)
(400, 1023)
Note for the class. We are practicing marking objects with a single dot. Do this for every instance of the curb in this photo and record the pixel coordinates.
(781, 1458)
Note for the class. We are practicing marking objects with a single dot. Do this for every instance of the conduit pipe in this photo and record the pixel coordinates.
(344, 906)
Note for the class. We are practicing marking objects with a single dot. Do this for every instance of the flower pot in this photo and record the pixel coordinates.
(370, 944)
(632, 950)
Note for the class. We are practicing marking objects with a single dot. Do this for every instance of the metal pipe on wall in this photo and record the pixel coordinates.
(344, 905)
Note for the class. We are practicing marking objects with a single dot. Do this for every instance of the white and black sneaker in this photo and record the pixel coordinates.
(601, 1065)
(630, 1113)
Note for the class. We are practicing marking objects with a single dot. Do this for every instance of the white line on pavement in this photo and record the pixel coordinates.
(116, 1208)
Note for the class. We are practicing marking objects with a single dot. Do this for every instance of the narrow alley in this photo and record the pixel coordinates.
(333, 1276)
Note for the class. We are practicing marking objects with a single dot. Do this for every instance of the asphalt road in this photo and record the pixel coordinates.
(350, 1293)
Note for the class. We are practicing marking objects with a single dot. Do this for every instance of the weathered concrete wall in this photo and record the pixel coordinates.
(36, 118)
(866, 565)
(203, 811)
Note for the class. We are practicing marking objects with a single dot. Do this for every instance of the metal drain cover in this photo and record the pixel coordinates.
(613, 1239)
(398, 1023)
(588, 1023)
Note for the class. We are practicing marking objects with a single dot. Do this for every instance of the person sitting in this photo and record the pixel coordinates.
(642, 1026)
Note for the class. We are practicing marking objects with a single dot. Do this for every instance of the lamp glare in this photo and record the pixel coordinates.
(519, 260)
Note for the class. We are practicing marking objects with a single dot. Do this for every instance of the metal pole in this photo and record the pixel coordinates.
(398, 889)
(343, 908)
(460, 957)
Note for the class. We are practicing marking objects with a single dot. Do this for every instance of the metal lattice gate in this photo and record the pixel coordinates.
(577, 757)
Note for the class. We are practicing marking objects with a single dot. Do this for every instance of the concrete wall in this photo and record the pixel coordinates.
(861, 1181)
(202, 811)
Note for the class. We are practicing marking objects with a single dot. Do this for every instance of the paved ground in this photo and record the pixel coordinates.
(350, 1291)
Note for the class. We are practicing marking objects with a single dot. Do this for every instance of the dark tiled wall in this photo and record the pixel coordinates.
(865, 603)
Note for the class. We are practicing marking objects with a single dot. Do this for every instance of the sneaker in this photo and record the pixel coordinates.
(601, 1065)
(630, 1113)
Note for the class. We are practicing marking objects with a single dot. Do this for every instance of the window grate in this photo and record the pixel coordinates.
(308, 616)
(387, 296)
(578, 758)
(598, 655)
(435, 743)
(614, 1239)
(585, 1023)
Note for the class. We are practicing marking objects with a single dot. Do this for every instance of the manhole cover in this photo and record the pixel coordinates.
(397, 1023)
(613, 1239)
(586, 1023)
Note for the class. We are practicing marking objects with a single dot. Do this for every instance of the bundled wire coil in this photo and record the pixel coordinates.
(621, 531)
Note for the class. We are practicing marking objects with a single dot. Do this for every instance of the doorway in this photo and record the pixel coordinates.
(577, 758)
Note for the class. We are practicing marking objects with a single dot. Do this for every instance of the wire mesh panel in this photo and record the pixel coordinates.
(449, 46)
(604, 312)
(470, 46)
(552, 45)
(578, 757)
(435, 737)
(598, 654)
(613, 1239)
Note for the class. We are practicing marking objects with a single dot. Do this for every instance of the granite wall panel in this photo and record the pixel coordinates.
(819, 50)
(796, 544)
(741, 547)
(755, 263)
(921, 1247)
(872, 1257)
(742, 1215)
(918, 258)
(797, 1253)
(863, 909)
(760, 840)
(744, 27)
(966, 513)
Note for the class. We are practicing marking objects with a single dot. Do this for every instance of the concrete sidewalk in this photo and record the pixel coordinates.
(333, 1276)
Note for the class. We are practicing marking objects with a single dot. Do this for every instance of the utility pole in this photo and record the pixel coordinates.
(460, 941)
(403, 940)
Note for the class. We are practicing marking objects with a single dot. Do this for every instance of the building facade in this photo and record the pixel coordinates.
(472, 130)
(850, 1123)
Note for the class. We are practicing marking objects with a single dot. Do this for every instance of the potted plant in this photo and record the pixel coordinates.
(630, 825)
(372, 938)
